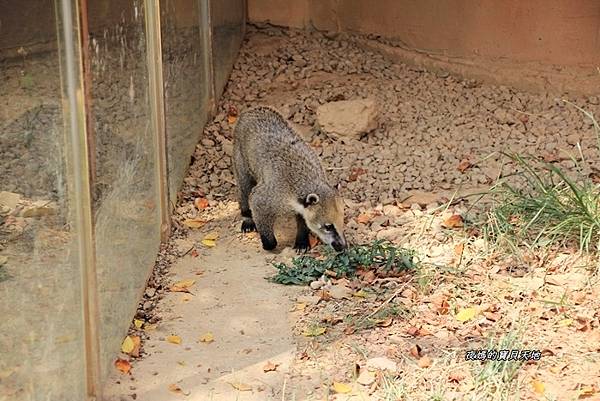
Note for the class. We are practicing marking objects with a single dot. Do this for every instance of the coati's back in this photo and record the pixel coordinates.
(277, 174)
(269, 146)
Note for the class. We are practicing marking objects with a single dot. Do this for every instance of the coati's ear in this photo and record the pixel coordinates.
(311, 199)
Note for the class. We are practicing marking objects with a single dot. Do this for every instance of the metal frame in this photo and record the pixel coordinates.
(80, 193)
(157, 110)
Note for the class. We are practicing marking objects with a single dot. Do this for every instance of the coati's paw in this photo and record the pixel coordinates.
(302, 246)
(248, 226)
(268, 244)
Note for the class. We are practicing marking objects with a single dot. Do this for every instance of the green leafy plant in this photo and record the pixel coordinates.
(377, 255)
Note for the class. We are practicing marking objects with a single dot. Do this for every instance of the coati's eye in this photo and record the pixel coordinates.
(328, 227)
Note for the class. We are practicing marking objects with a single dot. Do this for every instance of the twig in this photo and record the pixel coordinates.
(387, 301)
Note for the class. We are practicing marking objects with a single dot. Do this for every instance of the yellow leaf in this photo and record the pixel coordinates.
(565, 322)
(207, 338)
(182, 286)
(314, 331)
(300, 306)
(466, 314)
(360, 294)
(538, 386)
(209, 243)
(194, 223)
(342, 388)
(211, 236)
(174, 339)
(138, 323)
(149, 327)
(127, 345)
(587, 391)
(241, 386)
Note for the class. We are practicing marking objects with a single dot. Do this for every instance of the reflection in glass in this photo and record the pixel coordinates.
(126, 208)
(186, 85)
(41, 334)
(227, 20)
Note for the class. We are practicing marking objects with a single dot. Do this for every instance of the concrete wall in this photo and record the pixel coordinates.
(563, 33)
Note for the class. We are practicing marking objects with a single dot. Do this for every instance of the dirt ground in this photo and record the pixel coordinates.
(211, 327)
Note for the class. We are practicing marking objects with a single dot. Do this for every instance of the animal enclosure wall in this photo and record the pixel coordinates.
(535, 44)
(101, 106)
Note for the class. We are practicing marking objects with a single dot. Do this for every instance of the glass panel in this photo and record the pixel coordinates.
(227, 19)
(186, 86)
(125, 190)
(41, 334)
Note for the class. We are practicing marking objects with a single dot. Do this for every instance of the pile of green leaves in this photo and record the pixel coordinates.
(379, 255)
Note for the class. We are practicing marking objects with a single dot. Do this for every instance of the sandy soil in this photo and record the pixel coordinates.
(394, 181)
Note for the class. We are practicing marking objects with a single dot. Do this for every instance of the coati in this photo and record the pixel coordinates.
(278, 174)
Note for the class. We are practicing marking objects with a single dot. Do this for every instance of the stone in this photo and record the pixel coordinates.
(390, 234)
(9, 199)
(382, 363)
(347, 118)
(339, 291)
(365, 378)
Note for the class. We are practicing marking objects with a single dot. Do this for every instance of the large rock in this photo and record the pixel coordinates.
(347, 118)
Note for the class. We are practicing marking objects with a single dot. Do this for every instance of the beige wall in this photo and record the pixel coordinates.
(560, 32)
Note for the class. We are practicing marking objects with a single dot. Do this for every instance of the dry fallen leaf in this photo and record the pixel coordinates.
(466, 314)
(177, 390)
(464, 165)
(138, 323)
(270, 367)
(240, 386)
(207, 338)
(363, 218)
(201, 203)
(587, 391)
(123, 365)
(565, 322)
(538, 386)
(312, 241)
(314, 331)
(341, 388)
(210, 240)
(454, 221)
(137, 343)
(182, 286)
(127, 345)
(174, 339)
(194, 223)
(415, 351)
(385, 322)
(494, 317)
(425, 362)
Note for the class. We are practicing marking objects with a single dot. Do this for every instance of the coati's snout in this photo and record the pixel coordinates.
(325, 218)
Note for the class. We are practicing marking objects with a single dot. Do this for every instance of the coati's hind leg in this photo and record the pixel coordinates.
(263, 215)
(245, 184)
(302, 242)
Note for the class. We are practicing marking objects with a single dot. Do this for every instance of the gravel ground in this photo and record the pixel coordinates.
(428, 123)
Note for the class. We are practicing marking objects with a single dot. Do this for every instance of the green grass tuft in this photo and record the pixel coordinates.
(546, 207)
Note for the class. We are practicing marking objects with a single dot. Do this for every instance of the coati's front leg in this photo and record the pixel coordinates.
(302, 242)
(263, 215)
(245, 185)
